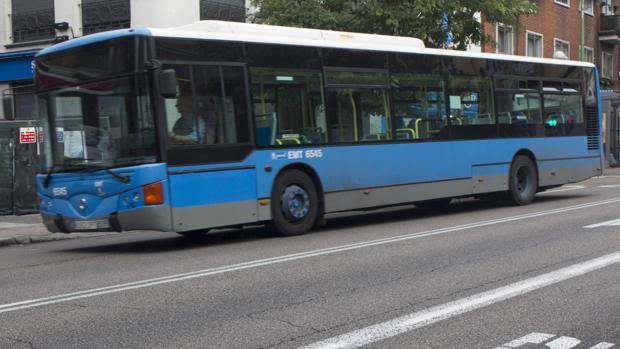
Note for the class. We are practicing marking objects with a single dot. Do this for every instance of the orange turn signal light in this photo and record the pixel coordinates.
(153, 194)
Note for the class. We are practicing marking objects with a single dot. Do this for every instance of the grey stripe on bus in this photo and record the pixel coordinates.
(211, 216)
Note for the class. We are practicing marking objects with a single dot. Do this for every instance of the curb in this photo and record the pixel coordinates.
(25, 240)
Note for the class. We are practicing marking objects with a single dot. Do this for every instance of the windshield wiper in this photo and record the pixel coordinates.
(84, 167)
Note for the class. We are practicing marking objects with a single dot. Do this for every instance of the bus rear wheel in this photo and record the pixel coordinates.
(522, 181)
(294, 204)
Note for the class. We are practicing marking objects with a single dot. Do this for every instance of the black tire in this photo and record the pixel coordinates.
(294, 204)
(194, 234)
(436, 204)
(522, 181)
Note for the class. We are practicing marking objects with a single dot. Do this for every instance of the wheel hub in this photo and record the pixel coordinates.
(295, 203)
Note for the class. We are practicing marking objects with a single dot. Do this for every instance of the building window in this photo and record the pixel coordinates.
(588, 54)
(608, 65)
(505, 37)
(102, 15)
(562, 2)
(24, 100)
(562, 46)
(534, 44)
(607, 8)
(32, 20)
(588, 7)
(223, 10)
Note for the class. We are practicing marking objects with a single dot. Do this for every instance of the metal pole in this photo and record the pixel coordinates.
(581, 31)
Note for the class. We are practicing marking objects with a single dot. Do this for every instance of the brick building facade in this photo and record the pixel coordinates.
(557, 27)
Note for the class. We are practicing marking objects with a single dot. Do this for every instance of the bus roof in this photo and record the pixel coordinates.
(261, 33)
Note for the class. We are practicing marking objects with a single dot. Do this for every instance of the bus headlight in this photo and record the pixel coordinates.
(153, 194)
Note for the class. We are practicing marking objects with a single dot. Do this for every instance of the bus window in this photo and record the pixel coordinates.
(210, 108)
(519, 113)
(563, 113)
(358, 106)
(471, 107)
(288, 106)
(419, 106)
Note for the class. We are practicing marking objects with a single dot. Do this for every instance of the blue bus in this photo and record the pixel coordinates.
(219, 124)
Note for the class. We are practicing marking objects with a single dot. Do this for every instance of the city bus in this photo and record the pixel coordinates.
(218, 124)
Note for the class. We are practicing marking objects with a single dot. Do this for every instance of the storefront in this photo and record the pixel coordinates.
(18, 155)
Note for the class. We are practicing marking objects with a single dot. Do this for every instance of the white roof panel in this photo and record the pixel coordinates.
(260, 33)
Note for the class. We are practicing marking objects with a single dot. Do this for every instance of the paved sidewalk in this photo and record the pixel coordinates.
(27, 229)
(18, 230)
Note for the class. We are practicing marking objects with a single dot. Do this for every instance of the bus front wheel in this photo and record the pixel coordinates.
(294, 204)
(522, 181)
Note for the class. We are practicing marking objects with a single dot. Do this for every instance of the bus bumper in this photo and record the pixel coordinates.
(145, 218)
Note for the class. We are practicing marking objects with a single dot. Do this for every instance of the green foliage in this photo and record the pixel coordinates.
(416, 18)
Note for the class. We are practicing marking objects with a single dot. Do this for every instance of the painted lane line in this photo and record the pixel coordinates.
(609, 186)
(403, 324)
(611, 222)
(563, 343)
(563, 188)
(9, 307)
(532, 338)
(603, 345)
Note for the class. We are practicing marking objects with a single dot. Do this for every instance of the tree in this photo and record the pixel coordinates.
(437, 22)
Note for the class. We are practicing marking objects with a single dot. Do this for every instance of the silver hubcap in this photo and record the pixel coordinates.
(295, 203)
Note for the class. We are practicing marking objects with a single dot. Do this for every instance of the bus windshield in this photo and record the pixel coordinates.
(96, 107)
(106, 123)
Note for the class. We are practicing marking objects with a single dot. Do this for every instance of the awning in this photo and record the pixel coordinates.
(16, 66)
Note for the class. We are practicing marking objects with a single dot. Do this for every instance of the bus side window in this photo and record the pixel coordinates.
(419, 106)
(288, 106)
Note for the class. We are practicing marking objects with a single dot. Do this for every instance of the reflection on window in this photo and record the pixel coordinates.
(562, 113)
(210, 108)
(518, 114)
(359, 112)
(471, 101)
(419, 106)
(102, 123)
(288, 106)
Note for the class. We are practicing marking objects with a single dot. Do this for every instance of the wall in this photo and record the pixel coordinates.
(164, 13)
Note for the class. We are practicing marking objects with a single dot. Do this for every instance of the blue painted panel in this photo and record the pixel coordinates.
(17, 68)
(104, 193)
(207, 188)
(94, 38)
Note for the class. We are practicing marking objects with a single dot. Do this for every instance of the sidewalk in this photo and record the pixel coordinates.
(19, 230)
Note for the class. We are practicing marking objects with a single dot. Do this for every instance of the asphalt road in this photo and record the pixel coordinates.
(475, 275)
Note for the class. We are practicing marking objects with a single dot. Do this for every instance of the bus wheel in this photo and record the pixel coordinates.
(522, 181)
(294, 204)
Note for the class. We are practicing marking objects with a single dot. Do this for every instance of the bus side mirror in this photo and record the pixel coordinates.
(168, 83)
(7, 105)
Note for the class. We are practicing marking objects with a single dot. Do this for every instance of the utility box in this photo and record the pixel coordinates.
(19, 161)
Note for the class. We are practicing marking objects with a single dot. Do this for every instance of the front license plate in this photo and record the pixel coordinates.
(92, 225)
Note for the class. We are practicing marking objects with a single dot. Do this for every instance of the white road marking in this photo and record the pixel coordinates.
(559, 343)
(9, 307)
(563, 188)
(563, 343)
(603, 345)
(609, 186)
(606, 223)
(532, 338)
(403, 324)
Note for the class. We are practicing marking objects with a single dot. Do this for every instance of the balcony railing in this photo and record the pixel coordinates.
(33, 25)
(610, 30)
(223, 11)
(610, 23)
(105, 15)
